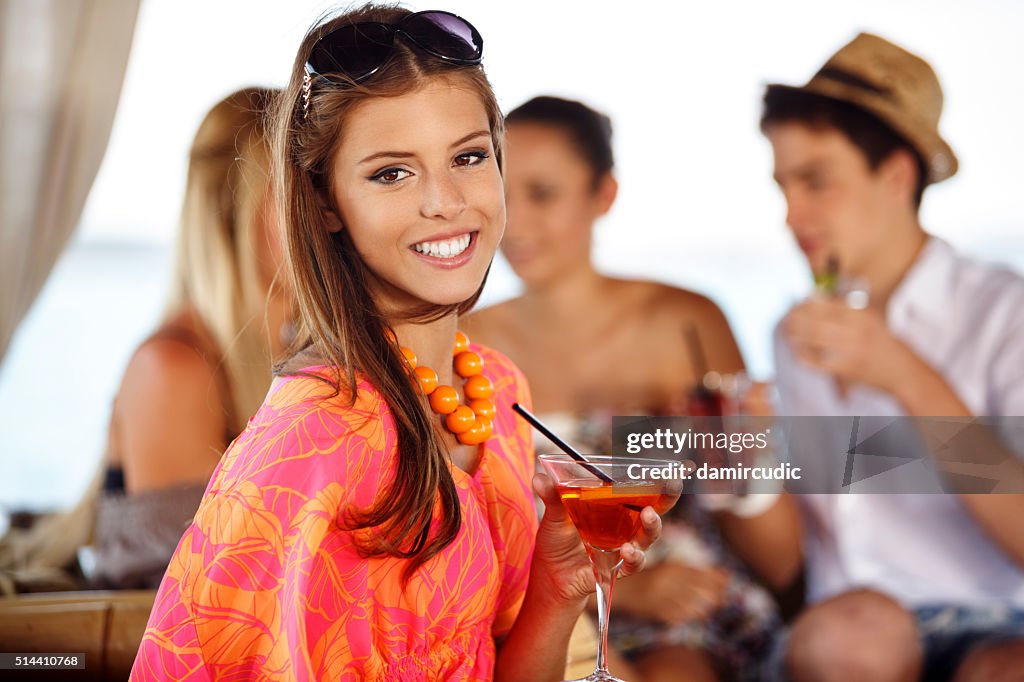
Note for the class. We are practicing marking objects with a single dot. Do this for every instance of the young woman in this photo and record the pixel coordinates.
(375, 519)
(593, 346)
(192, 385)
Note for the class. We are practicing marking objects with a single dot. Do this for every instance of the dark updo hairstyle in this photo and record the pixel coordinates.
(589, 131)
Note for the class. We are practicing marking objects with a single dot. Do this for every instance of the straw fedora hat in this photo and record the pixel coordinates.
(898, 87)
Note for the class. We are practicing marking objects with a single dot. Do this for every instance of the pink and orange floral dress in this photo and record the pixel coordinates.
(265, 585)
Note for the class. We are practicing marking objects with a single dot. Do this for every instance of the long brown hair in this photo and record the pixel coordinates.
(217, 271)
(340, 321)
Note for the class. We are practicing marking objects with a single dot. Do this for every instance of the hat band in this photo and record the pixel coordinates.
(846, 78)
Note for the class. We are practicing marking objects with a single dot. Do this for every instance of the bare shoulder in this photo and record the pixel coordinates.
(698, 306)
(670, 310)
(662, 300)
(171, 417)
(170, 359)
(166, 370)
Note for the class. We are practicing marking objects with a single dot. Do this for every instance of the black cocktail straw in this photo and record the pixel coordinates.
(565, 447)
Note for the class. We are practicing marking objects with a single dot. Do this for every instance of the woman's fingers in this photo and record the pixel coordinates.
(632, 553)
(758, 400)
(633, 559)
(650, 528)
(545, 489)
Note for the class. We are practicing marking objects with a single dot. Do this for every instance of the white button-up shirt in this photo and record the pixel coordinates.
(966, 319)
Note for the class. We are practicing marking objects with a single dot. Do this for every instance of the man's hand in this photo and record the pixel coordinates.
(854, 346)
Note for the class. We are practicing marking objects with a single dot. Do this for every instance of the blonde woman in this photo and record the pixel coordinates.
(191, 386)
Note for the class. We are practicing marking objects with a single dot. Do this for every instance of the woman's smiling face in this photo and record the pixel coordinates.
(417, 186)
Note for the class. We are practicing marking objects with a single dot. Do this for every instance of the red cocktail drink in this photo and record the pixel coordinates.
(604, 497)
(608, 515)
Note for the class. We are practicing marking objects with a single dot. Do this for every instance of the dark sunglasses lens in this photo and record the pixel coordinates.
(356, 50)
(445, 35)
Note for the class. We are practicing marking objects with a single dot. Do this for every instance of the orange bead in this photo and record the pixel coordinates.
(461, 420)
(410, 357)
(468, 363)
(427, 379)
(444, 400)
(461, 343)
(478, 387)
(480, 432)
(483, 408)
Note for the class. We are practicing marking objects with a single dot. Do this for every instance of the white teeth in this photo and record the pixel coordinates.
(446, 249)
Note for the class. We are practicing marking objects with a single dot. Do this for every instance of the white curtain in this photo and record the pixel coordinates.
(62, 63)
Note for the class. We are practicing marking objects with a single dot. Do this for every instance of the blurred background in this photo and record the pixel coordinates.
(697, 207)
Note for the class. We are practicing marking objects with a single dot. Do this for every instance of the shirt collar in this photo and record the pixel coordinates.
(926, 291)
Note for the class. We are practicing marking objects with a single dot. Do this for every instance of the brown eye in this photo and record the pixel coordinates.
(470, 159)
(390, 176)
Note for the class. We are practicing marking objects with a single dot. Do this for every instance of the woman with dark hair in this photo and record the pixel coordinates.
(593, 346)
(375, 519)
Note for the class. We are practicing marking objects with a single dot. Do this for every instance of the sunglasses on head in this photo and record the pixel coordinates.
(357, 51)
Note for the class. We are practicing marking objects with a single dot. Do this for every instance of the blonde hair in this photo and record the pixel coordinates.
(218, 275)
(218, 272)
(339, 318)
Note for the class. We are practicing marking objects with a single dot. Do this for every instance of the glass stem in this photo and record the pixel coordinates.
(606, 566)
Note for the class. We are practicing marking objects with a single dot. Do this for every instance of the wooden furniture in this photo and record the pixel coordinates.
(106, 626)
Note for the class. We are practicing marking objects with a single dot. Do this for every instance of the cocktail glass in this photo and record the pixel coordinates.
(604, 497)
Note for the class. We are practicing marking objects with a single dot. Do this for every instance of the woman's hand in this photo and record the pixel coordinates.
(673, 593)
(758, 400)
(560, 563)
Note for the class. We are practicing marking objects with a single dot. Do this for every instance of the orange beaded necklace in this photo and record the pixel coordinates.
(472, 424)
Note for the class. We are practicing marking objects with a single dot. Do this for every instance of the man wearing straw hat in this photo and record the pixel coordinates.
(899, 586)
